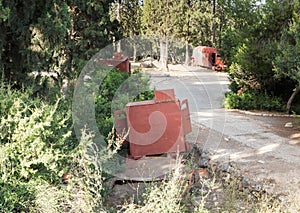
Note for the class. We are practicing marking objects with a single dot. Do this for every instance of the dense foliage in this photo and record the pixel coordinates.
(109, 99)
(251, 100)
(54, 36)
(38, 146)
(35, 137)
(260, 47)
(257, 39)
(287, 63)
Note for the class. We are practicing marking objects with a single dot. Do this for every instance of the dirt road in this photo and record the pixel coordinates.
(261, 145)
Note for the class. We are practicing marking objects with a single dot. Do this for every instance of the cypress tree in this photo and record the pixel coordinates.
(52, 36)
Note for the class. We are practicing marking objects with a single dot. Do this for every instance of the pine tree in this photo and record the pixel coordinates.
(53, 36)
(15, 38)
(157, 20)
(91, 30)
(287, 62)
(4, 14)
(128, 14)
(193, 22)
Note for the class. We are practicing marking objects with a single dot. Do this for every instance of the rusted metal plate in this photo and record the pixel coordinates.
(207, 57)
(164, 95)
(185, 115)
(118, 61)
(147, 169)
(155, 126)
(155, 129)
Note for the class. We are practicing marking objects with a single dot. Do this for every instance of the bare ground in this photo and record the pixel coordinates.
(263, 165)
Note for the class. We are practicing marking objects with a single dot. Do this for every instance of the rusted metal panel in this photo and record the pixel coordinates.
(155, 129)
(185, 115)
(140, 103)
(164, 95)
(118, 61)
(155, 126)
(202, 57)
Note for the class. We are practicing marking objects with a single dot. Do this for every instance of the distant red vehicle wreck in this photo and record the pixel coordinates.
(207, 57)
(120, 62)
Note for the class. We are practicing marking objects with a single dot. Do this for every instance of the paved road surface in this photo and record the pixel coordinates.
(261, 145)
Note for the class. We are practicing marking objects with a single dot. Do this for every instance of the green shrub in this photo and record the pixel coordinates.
(16, 197)
(35, 139)
(37, 147)
(253, 100)
(114, 94)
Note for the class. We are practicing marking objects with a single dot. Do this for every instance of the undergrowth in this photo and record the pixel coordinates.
(253, 101)
(38, 147)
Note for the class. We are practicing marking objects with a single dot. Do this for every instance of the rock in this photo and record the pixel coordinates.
(281, 198)
(231, 170)
(245, 183)
(203, 163)
(146, 64)
(204, 158)
(205, 155)
(289, 125)
(258, 187)
(87, 78)
(225, 167)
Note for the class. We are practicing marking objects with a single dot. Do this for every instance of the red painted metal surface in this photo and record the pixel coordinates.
(207, 57)
(185, 116)
(164, 95)
(157, 126)
(118, 61)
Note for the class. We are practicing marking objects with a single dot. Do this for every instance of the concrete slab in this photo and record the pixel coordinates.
(148, 169)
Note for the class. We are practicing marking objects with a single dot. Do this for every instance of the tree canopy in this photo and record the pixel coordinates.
(257, 39)
(52, 36)
(255, 45)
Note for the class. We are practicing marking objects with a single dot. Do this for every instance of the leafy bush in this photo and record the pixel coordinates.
(35, 137)
(115, 92)
(253, 100)
(37, 147)
(16, 197)
(85, 187)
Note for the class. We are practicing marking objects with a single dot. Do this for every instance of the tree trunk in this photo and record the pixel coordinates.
(119, 49)
(187, 53)
(214, 27)
(134, 48)
(291, 99)
(164, 54)
(119, 10)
